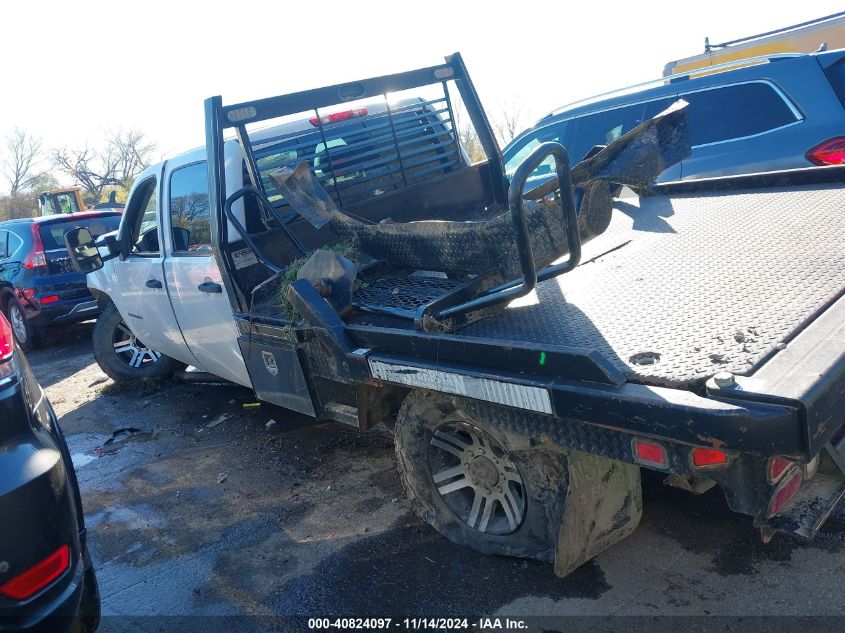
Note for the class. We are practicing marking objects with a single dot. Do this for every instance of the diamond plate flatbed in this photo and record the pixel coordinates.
(682, 287)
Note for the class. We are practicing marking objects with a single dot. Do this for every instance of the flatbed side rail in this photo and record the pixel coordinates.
(671, 415)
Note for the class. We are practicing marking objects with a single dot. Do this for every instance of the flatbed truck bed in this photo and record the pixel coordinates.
(701, 336)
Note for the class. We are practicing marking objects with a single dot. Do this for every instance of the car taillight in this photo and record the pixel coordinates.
(35, 258)
(48, 299)
(785, 492)
(8, 368)
(830, 152)
(7, 340)
(650, 453)
(38, 576)
(338, 116)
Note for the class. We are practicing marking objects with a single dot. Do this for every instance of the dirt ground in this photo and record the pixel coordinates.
(205, 507)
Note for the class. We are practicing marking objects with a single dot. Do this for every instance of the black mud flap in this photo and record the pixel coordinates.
(603, 506)
(276, 374)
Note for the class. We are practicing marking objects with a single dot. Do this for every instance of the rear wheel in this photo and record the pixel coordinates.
(473, 484)
(25, 334)
(122, 356)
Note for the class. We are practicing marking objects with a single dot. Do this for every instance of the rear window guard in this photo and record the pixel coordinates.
(219, 118)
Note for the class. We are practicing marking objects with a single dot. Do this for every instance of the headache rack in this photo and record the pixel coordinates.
(377, 156)
(358, 152)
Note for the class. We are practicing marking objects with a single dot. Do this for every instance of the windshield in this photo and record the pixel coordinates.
(56, 203)
(522, 147)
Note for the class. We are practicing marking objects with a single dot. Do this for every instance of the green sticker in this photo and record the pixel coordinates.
(542, 358)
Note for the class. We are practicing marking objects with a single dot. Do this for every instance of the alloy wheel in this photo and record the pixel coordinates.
(18, 322)
(130, 350)
(476, 478)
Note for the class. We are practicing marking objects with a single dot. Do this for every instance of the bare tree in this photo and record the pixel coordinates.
(467, 136)
(509, 121)
(125, 154)
(19, 160)
(506, 124)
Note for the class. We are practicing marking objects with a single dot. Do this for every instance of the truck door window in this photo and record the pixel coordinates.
(190, 224)
(4, 241)
(143, 216)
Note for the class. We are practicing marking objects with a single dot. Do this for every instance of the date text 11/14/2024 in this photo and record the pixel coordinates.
(418, 624)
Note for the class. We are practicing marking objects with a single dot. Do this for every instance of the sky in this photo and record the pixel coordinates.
(73, 71)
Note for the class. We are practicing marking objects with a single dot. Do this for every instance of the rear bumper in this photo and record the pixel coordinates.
(54, 616)
(64, 312)
(37, 489)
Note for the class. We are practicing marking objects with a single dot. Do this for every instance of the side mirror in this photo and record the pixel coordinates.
(84, 255)
(110, 242)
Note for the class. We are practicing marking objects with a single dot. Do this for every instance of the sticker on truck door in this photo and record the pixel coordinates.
(243, 258)
(270, 363)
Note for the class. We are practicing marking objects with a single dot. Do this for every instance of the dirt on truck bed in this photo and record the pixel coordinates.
(197, 506)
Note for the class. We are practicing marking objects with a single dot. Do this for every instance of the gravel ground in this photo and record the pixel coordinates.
(204, 507)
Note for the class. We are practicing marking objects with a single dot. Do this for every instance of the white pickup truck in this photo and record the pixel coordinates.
(163, 301)
(352, 265)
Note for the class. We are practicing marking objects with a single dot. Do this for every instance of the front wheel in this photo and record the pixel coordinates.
(476, 484)
(122, 356)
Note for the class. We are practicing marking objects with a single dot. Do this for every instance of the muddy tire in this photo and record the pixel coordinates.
(454, 465)
(122, 357)
(26, 336)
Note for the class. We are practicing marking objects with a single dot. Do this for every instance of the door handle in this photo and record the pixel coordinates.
(153, 283)
(210, 287)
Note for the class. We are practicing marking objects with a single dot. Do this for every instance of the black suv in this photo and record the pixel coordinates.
(38, 287)
(47, 582)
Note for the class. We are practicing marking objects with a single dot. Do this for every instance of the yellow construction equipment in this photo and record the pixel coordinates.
(61, 201)
(825, 33)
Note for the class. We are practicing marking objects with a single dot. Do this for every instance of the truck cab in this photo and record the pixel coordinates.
(166, 287)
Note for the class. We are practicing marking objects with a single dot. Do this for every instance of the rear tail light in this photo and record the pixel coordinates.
(37, 577)
(830, 152)
(35, 258)
(338, 116)
(48, 299)
(777, 468)
(7, 340)
(650, 453)
(708, 457)
(8, 368)
(785, 492)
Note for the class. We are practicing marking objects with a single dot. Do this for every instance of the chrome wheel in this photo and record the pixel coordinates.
(130, 350)
(18, 322)
(476, 478)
